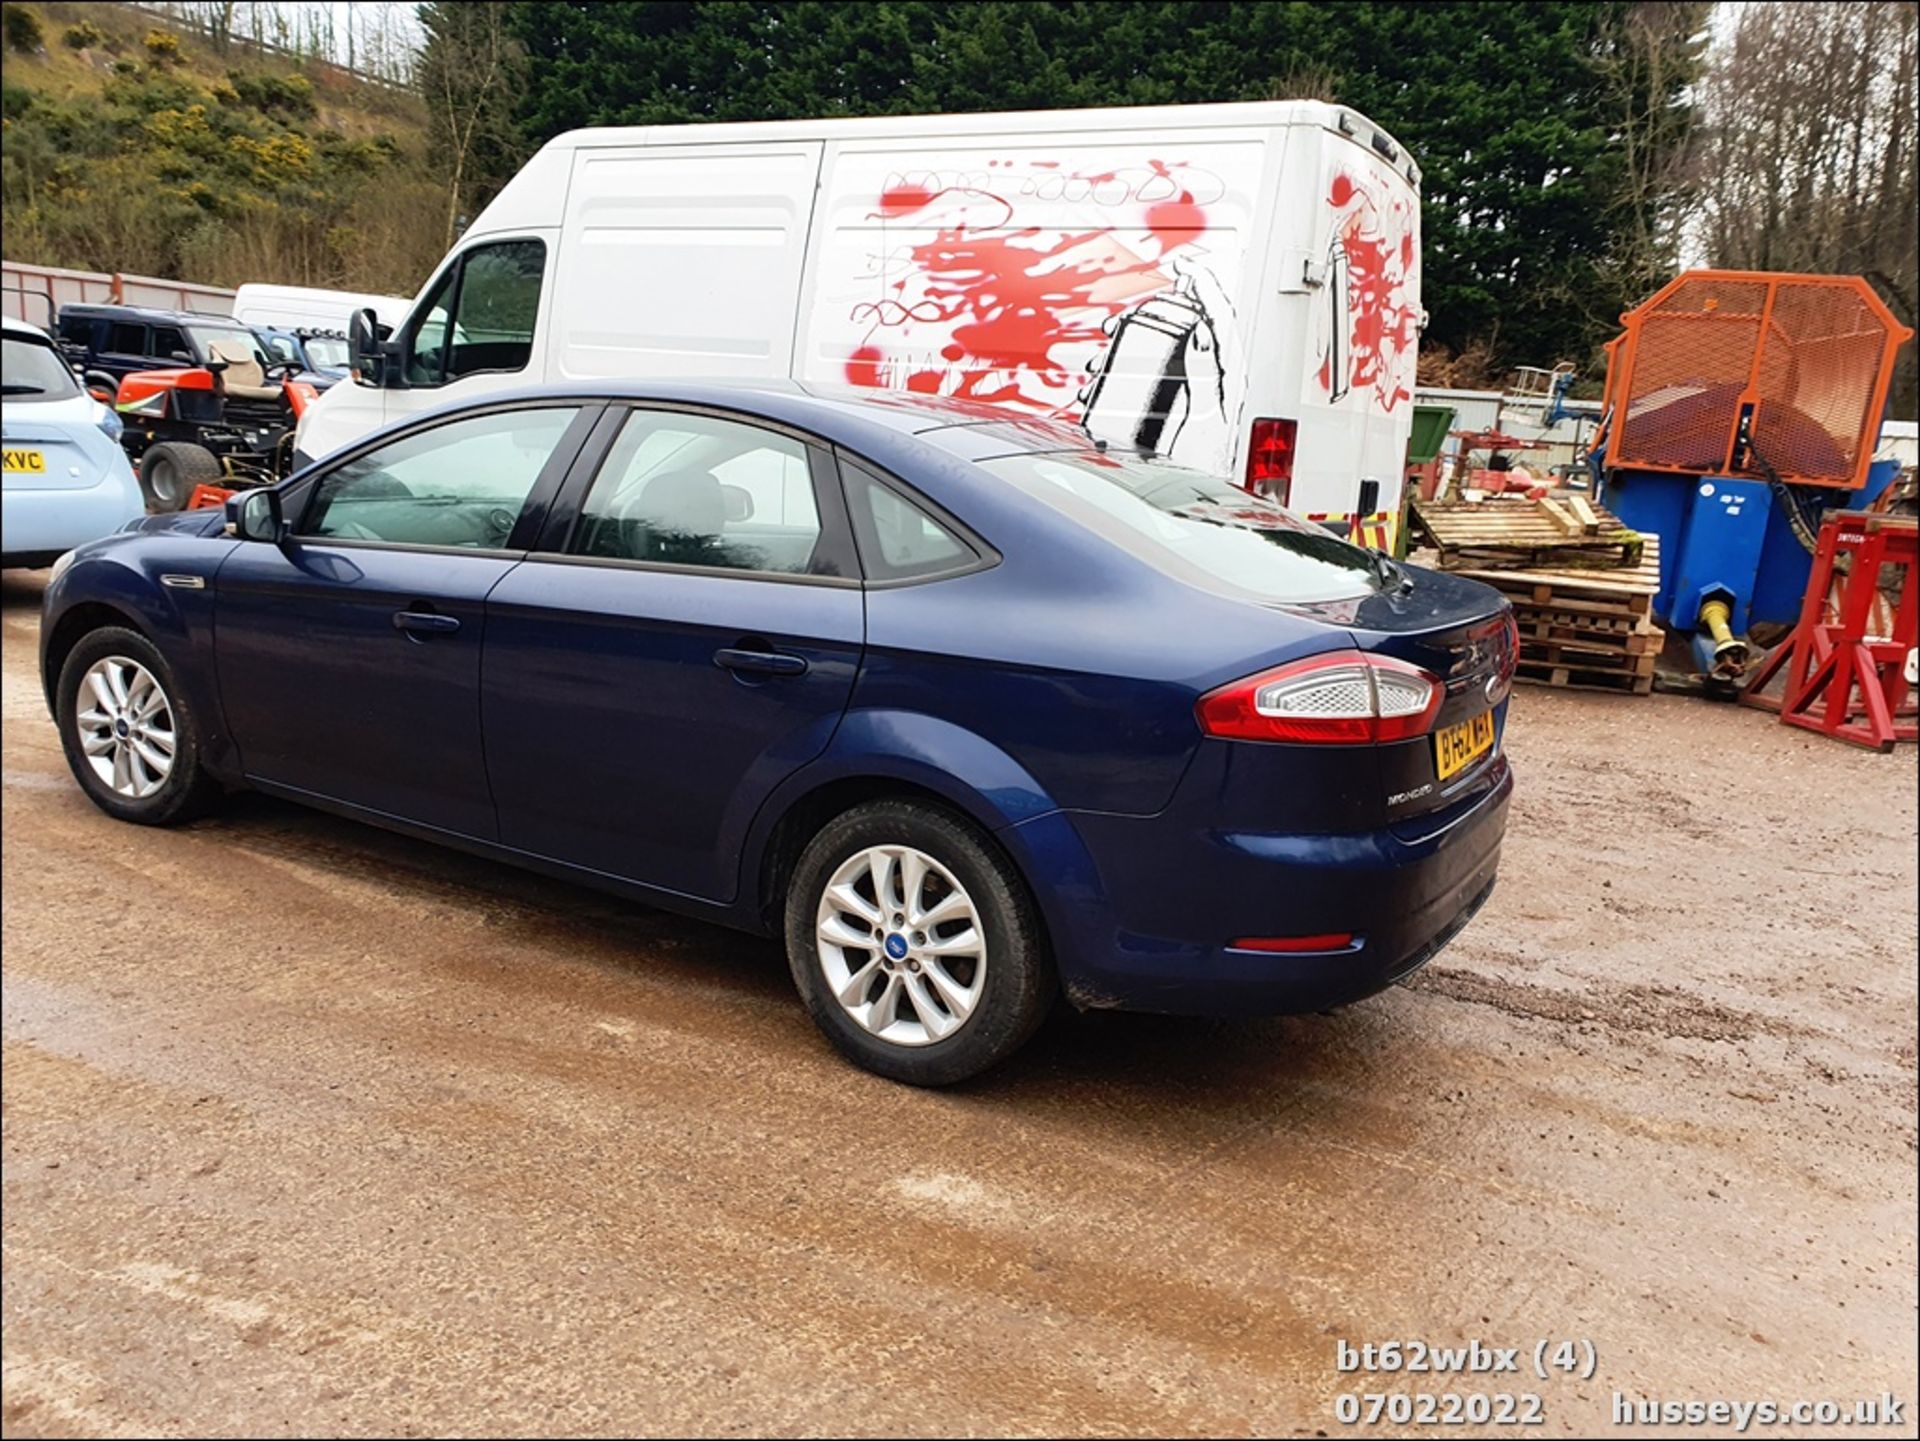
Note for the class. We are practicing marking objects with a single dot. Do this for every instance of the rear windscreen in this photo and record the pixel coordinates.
(1187, 517)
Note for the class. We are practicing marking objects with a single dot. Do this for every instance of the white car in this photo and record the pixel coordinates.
(67, 481)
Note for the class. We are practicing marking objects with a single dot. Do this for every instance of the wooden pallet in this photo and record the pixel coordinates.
(1622, 593)
(1522, 534)
(1573, 678)
(1581, 628)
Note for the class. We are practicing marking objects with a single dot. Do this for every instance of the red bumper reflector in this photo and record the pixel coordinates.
(1330, 942)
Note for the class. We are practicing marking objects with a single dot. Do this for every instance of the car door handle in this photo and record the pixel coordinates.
(425, 622)
(760, 662)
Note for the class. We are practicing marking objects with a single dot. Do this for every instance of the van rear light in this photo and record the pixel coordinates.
(1270, 458)
(1346, 697)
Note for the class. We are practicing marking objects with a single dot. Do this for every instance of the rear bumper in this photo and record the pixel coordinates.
(45, 523)
(1153, 932)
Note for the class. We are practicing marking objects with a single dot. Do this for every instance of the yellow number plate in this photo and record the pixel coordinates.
(25, 462)
(1457, 747)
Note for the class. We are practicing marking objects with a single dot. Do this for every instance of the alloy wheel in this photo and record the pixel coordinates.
(901, 945)
(126, 727)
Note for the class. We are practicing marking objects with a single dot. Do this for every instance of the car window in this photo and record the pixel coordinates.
(164, 340)
(481, 315)
(280, 348)
(463, 483)
(1169, 513)
(898, 540)
(128, 339)
(683, 489)
(225, 336)
(33, 370)
(77, 328)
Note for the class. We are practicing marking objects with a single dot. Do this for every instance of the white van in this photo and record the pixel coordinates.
(301, 307)
(1234, 286)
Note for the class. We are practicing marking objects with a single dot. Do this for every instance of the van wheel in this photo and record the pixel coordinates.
(131, 739)
(169, 472)
(914, 944)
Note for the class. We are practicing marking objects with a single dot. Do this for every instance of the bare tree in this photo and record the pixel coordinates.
(1650, 54)
(469, 72)
(1806, 159)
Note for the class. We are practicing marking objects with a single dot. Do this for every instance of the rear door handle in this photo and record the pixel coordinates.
(760, 662)
(425, 622)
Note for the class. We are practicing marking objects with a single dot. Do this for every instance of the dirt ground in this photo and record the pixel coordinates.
(309, 1128)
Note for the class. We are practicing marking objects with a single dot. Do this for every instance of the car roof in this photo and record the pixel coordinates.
(970, 429)
(150, 312)
(21, 328)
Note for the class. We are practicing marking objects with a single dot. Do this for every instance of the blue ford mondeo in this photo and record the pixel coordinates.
(972, 714)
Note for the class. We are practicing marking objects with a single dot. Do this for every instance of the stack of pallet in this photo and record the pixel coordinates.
(1581, 583)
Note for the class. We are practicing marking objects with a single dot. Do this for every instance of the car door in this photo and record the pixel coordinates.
(349, 655)
(685, 637)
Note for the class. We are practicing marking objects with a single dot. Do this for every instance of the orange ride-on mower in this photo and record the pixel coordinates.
(223, 426)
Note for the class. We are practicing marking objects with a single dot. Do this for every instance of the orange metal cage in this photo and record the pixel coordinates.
(1810, 355)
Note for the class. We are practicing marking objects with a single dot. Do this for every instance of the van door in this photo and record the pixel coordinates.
(682, 260)
(475, 329)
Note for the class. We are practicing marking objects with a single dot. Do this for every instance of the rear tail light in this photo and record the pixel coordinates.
(1270, 458)
(1345, 697)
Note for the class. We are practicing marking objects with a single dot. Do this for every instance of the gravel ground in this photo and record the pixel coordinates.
(312, 1128)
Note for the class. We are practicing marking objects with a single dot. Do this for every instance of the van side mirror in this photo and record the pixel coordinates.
(366, 353)
(256, 515)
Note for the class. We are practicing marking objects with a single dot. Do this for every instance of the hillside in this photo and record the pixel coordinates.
(131, 145)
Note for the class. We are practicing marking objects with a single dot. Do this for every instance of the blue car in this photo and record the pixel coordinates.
(66, 479)
(970, 713)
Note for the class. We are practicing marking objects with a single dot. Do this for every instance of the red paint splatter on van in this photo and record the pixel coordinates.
(1384, 323)
(863, 366)
(902, 198)
(1176, 222)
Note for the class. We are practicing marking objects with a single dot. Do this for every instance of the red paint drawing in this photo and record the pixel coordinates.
(1082, 293)
(1374, 270)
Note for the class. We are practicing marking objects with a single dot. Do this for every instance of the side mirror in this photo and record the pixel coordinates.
(180, 355)
(739, 503)
(366, 354)
(255, 515)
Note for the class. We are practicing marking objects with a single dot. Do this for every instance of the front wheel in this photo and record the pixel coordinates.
(914, 944)
(131, 739)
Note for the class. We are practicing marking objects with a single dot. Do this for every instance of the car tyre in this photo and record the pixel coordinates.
(130, 734)
(170, 470)
(956, 966)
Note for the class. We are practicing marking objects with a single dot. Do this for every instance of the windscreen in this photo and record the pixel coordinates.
(327, 352)
(1190, 517)
(207, 336)
(34, 370)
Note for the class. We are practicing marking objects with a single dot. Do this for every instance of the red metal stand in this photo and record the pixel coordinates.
(1826, 662)
(208, 497)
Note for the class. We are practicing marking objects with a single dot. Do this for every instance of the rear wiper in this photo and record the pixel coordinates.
(23, 390)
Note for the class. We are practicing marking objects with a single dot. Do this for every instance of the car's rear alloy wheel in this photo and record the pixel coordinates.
(901, 945)
(126, 727)
(915, 944)
(128, 730)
